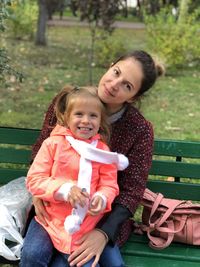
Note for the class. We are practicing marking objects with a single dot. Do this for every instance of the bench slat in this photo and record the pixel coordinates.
(146, 261)
(11, 155)
(177, 148)
(9, 135)
(176, 190)
(7, 175)
(175, 169)
(137, 249)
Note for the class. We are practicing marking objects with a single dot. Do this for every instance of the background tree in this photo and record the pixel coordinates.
(46, 10)
(42, 23)
(56, 6)
(183, 13)
(100, 14)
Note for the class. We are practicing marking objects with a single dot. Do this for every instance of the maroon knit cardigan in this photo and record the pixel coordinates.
(131, 135)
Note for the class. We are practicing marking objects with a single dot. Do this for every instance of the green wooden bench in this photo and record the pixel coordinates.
(178, 159)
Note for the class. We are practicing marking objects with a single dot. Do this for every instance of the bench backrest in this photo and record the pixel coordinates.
(179, 159)
(15, 152)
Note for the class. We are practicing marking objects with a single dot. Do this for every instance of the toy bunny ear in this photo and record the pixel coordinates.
(122, 162)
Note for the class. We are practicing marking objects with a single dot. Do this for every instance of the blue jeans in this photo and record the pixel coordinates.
(38, 251)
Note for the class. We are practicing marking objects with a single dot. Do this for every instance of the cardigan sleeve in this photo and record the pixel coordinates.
(132, 181)
(111, 222)
(48, 125)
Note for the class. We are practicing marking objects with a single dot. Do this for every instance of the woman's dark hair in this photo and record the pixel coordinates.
(151, 70)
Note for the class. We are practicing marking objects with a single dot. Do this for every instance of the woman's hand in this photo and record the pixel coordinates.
(91, 246)
(40, 209)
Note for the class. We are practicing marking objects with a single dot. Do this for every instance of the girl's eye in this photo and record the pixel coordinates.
(128, 86)
(94, 115)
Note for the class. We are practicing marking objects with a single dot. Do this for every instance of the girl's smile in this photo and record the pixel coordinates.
(84, 118)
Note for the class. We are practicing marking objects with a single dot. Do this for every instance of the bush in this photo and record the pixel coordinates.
(23, 18)
(177, 44)
(5, 68)
(108, 49)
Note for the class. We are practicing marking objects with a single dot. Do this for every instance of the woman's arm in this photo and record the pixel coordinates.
(91, 246)
(48, 125)
(132, 183)
(39, 206)
(93, 243)
(111, 223)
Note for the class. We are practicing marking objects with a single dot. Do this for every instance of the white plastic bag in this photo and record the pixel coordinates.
(15, 204)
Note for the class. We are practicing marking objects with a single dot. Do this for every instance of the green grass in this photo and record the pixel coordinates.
(172, 105)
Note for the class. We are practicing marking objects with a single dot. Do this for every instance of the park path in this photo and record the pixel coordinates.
(73, 21)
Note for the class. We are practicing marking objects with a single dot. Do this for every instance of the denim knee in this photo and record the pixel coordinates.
(111, 257)
(37, 248)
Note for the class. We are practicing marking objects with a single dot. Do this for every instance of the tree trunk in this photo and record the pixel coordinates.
(184, 5)
(42, 21)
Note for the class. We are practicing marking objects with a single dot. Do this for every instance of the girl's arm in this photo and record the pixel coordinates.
(39, 181)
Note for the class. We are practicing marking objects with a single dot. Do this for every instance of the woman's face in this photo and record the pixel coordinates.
(120, 84)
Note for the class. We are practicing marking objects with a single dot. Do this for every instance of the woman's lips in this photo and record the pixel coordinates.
(107, 92)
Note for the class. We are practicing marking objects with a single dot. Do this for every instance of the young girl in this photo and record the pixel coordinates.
(74, 170)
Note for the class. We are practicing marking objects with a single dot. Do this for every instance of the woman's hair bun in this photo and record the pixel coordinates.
(160, 68)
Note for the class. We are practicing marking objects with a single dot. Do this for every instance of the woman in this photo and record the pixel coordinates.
(128, 78)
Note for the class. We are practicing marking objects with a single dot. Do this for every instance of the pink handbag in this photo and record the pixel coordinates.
(166, 220)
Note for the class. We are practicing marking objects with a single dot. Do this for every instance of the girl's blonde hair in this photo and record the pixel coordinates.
(65, 103)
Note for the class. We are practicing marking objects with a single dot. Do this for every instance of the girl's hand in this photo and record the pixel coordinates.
(96, 205)
(77, 196)
(40, 209)
(91, 246)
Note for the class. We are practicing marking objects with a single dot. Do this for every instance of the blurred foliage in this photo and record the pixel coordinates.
(23, 18)
(100, 14)
(3, 13)
(107, 49)
(5, 68)
(176, 43)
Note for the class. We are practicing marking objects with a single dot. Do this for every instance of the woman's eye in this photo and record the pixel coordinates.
(116, 72)
(78, 114)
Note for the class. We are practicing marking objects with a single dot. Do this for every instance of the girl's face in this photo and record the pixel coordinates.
(120, 84)
(84, 118)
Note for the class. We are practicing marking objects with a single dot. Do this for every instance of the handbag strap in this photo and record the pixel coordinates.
(159, 242)
(156, 204)
(167, 230)
(172, 205)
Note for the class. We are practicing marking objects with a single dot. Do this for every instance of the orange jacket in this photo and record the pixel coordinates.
(57, 163)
